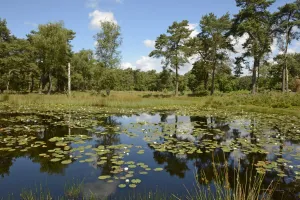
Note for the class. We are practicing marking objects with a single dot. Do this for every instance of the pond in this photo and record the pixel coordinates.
(116, 154)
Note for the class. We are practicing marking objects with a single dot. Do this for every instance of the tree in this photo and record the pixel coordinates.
(164, 81)
(5, 39)
(292, 64)
(198, 82)
(53, 49)
(214, 30)
(105, 79)
(286, 19)
(108, 41)
(16, 59)
(82, 64)
(172, 47)
(254, 20)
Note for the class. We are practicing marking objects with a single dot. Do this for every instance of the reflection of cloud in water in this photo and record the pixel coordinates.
(99, 128)
(239, 125)
(186, 137)
(148, 118)
(235, 156)
(184, 132)
(100, 189)
(227, 142)
(181, 156)
(93, 164)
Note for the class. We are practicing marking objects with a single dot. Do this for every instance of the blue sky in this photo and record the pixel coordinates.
(141, 21)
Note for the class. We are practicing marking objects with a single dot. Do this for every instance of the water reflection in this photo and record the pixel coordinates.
(236, 134)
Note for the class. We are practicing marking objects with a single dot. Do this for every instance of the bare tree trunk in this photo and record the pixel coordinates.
(258, 73)
(69, 79)
(50, 83)
(213, 81)
(7, 86)
(206, 81)
(32, 83)
(176, 90)
(254, 72)
(41, 84)
(283, 79)
(285, 75)
(287, 78)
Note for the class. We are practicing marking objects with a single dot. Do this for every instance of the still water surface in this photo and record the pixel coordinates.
(182, 146)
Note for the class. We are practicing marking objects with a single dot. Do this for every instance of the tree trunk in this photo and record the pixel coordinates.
(176, 90)
(206, 81)
(283, 79)
(258, 73)
(41, 84)
(107, 92)
(7, 86)
(286, 78)
(69, 79)
(213, 81)
(32, 83)
(254, 78)
(50, 84)
(285, 75)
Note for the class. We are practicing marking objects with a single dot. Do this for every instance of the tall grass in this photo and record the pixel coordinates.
(271, 102)
(222, 189)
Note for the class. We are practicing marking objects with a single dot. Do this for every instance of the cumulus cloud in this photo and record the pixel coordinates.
(127, 65)
(193, 28)
(238, 43)
(98, 16)
(146, 63)
(149, 43)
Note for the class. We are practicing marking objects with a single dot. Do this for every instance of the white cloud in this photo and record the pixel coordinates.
(238, 43)
(98, 16)
(146, 63)
(193, 28)
(149, 43)
(119, 1)
(31, 24)
(127, 65)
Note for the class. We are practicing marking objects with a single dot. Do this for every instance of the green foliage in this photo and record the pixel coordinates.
(286, 22)
(53, 52)
(108, 41)
(255, 21)
(172, 47)
(82, 65)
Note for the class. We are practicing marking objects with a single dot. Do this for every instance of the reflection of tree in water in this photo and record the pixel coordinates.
(174, 164)
(288, 185)
(6, 161)
(109, 139)
(204, 162)
(7, 158)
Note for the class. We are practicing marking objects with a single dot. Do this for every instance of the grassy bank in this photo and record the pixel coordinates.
(273, 102)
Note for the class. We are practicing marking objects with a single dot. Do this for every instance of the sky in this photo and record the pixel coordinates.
(141, 22)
